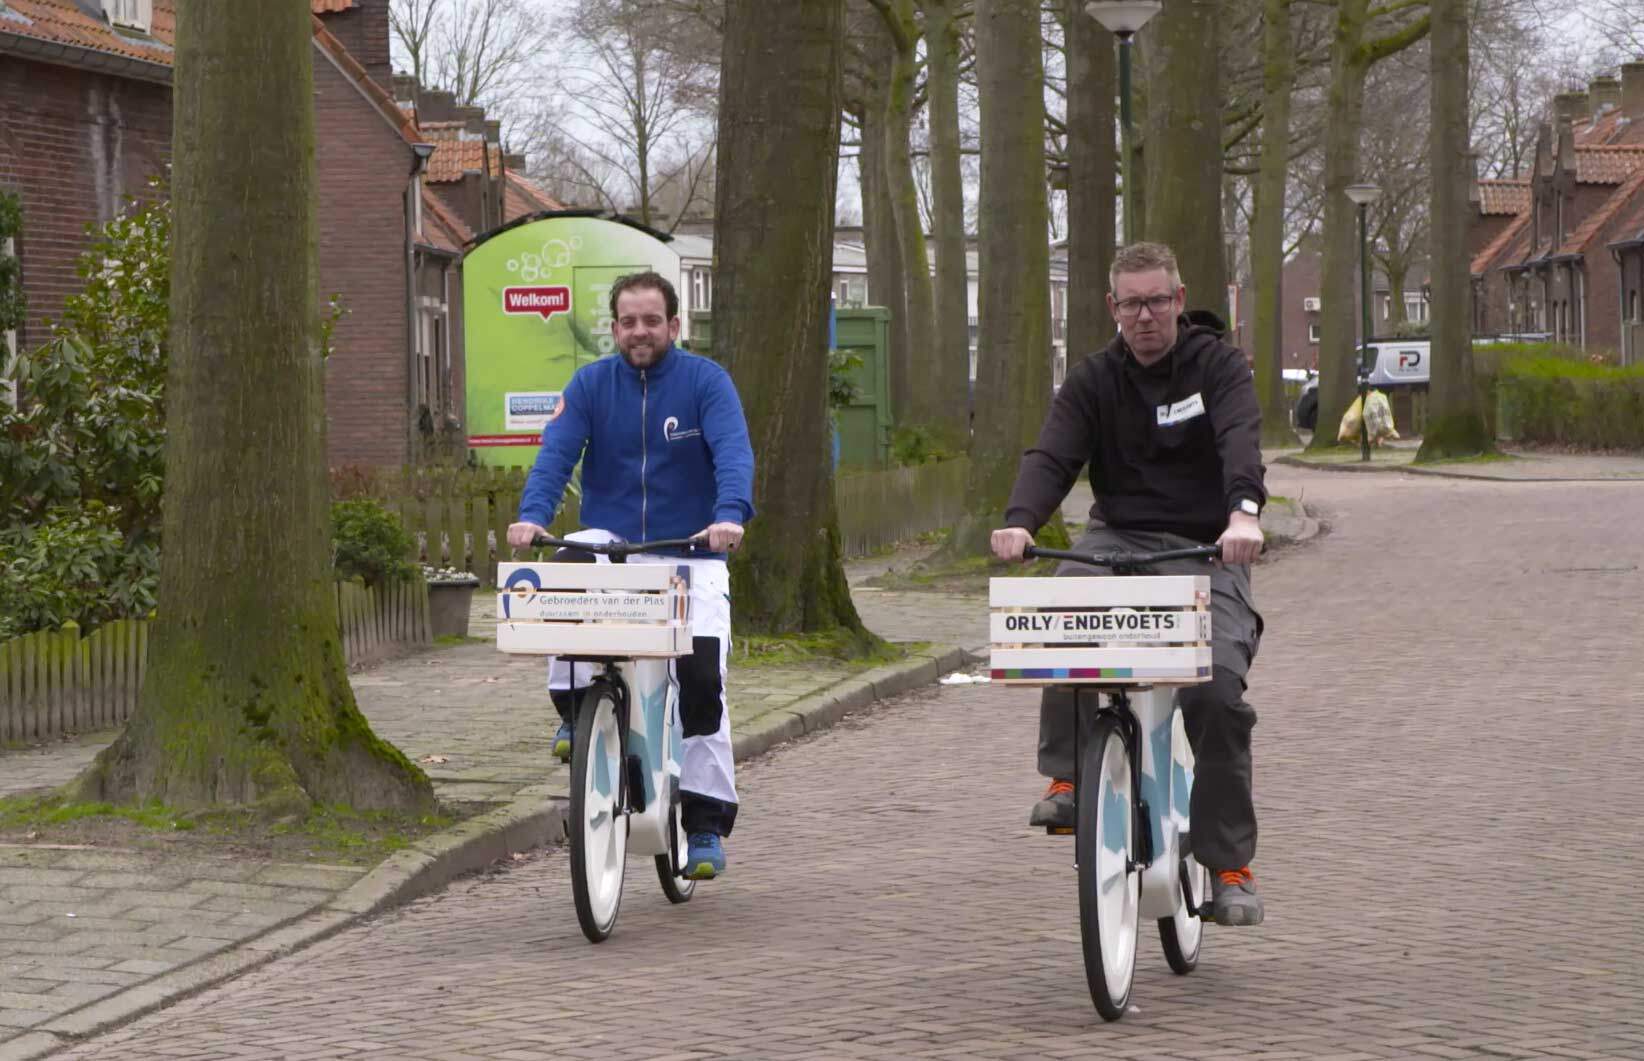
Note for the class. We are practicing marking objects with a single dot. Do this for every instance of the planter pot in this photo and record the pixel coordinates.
(449, 605)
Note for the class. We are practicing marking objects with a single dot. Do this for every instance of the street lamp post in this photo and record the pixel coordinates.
(1363, 195)
(1123, 18)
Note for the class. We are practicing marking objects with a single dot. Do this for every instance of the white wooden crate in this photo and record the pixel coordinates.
(1114, 630)
(613, 610)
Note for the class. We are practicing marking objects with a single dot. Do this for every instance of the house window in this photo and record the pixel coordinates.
(130, 14)
(702, 289)
(1312, 331)
(852, 292)
(1632, 309)
(1415, 308)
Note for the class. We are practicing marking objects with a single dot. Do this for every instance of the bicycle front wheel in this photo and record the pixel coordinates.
(1182, 933)
(1109, 886)
(599, 828)
(678, 889)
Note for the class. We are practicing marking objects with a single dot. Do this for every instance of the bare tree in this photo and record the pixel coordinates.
(1396, 130)
(483, 52)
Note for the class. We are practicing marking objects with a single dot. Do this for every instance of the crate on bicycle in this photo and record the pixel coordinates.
(632, 611)
(1131, 630)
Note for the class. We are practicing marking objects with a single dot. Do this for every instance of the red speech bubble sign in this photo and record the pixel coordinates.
(542, 301)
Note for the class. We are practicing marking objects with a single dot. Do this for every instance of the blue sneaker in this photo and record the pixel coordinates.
(705, 859)
(562, 743)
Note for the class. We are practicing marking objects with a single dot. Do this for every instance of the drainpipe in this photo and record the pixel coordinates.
(421, 153)
(1580, 271)
(1623, 328)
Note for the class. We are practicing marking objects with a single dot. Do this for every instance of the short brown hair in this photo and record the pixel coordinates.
(1144, 258)
(646, 281)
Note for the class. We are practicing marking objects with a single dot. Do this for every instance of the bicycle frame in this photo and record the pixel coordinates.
(652, 746)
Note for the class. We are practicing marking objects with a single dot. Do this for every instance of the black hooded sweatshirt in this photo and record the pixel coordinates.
(1173, 446)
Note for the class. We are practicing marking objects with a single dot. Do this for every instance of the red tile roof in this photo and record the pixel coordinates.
(442, 227)
(62, 22)
(1609, 164)
(326, 7)
(1624, 196)
(1508, 237)
(523, 196)
(1504, 196)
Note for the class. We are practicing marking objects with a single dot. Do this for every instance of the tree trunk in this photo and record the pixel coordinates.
(1396, 269)
(915, 405)
(1267, 226)
(1013, 359)
(1092, 180)
(773, 240)
(246, 698)
(1456, 425)
(950, 368)
(1351, 57)
(887, 279)
(1184, 152)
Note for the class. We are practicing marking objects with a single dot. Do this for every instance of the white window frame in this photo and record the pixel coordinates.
(1415, 307)
(702, 289)
(1313, 331)
(130, 14)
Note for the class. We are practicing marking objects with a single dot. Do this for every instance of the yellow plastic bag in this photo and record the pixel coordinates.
(1349, 431)
(1378, 416)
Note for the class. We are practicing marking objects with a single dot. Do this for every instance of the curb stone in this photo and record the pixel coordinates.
(1445, 473)
(532, 819)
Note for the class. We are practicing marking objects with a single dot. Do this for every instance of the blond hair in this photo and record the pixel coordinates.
(1144, 258)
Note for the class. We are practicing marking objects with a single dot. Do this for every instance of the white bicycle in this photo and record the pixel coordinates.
(631, 621)
(1120, 646)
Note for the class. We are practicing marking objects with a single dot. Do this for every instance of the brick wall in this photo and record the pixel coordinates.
(363, 30)
(73, 144)
(364, 167)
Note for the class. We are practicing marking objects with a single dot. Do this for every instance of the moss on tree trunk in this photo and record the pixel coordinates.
(246, 697)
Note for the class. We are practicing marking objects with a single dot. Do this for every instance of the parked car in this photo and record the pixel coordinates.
(1306, 413)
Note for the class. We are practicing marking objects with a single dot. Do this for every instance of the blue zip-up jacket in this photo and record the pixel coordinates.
(664, 450)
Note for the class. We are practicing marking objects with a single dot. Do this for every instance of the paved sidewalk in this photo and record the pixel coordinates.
(90, 938)
(1515, 465)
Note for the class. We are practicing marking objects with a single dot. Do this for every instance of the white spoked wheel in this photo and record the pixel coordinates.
(1182, 933)
(678, 889)
(599, 828)
(1109, 888)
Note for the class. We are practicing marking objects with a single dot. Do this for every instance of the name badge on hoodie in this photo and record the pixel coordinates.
(1186, 409)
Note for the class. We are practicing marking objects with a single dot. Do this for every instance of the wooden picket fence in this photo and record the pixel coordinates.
(878, 509)
(457, 516)
(54, 682)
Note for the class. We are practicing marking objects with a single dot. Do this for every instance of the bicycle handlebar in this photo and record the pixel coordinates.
(621, 549)
(1125, 560)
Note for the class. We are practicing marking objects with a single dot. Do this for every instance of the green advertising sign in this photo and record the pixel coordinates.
(536, 308)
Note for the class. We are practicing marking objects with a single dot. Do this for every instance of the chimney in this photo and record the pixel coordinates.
(514, 161)
(405, 89)
(472, 118)
(436, 106)
(1570, 106)
(1605, 92)
(1632, 90)
(493, 131)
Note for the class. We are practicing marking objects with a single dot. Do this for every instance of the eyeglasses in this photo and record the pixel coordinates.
(1158, 305)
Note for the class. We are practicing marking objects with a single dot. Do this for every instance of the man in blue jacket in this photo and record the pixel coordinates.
(665, 454)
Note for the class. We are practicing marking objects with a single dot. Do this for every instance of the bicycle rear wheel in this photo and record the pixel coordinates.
(1109, 886)
(598, 828)
(1182, 933)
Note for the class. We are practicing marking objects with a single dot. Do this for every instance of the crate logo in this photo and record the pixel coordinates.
(544, 301)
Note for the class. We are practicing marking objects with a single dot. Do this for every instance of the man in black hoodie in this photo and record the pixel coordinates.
(1166, 417)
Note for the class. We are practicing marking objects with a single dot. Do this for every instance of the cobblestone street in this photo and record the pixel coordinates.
(1447, 772)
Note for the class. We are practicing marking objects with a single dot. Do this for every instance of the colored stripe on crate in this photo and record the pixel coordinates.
(1087, 673)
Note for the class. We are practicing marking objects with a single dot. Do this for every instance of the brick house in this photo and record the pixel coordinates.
(1553, 250)
(85, 118)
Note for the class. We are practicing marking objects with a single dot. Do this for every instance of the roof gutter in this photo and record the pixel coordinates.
(60, 54)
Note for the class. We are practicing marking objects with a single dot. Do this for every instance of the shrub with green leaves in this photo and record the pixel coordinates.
(1570, 402)
(73, 564)
(368, 542)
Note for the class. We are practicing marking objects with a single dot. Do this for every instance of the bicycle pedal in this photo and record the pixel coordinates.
(1207, 913)
(1058, 830)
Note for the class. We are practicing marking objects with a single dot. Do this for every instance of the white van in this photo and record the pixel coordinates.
(1400, 361)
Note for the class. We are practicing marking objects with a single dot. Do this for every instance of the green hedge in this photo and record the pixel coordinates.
(1551, 399)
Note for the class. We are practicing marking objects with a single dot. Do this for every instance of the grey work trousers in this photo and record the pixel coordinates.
(1215, 714)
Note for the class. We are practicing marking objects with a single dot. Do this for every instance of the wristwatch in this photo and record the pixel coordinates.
(1249, 507)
